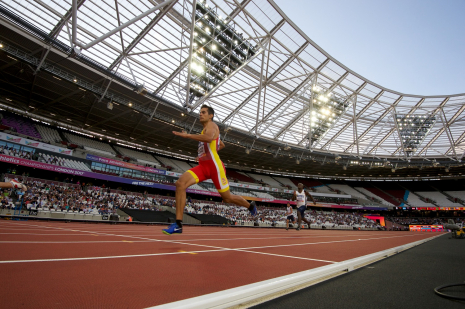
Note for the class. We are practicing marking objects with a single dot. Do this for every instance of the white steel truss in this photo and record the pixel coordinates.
(269, 95)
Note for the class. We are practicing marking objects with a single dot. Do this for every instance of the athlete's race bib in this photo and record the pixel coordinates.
(201, 150)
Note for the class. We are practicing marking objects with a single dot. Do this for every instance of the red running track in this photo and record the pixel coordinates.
(79, 265)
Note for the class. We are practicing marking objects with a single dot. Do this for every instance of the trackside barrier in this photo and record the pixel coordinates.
(250, 292)
(53, 215)
(185, 218)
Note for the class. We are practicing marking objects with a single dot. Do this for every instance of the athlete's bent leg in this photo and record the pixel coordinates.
(306, 221)
(6, 185)
(185, 181)
(235, 199)
(299, 219)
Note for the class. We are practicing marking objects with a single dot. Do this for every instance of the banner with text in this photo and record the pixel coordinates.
(34, 144)
(124, 164)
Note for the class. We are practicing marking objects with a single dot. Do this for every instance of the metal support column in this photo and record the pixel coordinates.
(354, 105)
(260, 92)
(449, 134)
(191, 49)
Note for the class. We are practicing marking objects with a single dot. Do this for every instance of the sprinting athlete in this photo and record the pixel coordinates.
(290, 215)
(300, 196)
(210, 167)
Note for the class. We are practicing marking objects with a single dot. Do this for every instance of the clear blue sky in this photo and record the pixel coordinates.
(411, 46)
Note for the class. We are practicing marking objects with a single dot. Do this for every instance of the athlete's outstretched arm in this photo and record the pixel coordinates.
(207, 137)
(310, 196)
(293, 197)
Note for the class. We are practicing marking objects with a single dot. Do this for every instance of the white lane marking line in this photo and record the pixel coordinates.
(252, 238)
(323, 242)
(179, 242)
(106, 257)
(225, 249)
(287, 256)
(33, 234)
(217, 249)
(23, 228)
(160, 254)
(70, 242)
(205, 239)
(358, 234)
(223, 233)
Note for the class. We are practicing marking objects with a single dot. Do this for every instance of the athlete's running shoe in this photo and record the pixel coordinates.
(298, 228)
(253, 208)
(17, 185)
(173, 229)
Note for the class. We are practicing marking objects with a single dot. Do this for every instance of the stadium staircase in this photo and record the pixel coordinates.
(239, 176)
(369, 198)
(62, 136)
(116, 150)
(156, 160)
(426, 200)
(309, 183)
(450, 197)
(385, 195)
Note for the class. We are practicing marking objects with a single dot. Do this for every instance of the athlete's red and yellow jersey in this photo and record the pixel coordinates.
(207, 151)
(210, 165)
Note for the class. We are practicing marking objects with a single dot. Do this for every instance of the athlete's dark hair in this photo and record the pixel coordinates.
(210, 110)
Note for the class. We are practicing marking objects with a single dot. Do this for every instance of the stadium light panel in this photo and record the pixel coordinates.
(223, 48)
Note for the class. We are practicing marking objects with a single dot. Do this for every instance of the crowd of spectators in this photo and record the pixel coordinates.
(75, 198)
(81, 198)
(275, 215)
(10, 151)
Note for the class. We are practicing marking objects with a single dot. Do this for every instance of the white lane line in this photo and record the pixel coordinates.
(219, 248)
(241, 233)
(70, 242)
(256, 238)
(33, 234)
(204, 239)
(215, 233)
(324, 242)
(215, 249)
(246, 250)
(106, 257)
(158, 254)
(287, 256)
(22, 228)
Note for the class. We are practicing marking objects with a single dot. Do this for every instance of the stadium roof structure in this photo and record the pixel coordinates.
(290, 99)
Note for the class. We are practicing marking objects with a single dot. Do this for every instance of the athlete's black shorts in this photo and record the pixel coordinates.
(291, 218)
(302, 209)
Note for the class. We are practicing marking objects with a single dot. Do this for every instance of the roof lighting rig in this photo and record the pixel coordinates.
(325, 111)
(218, 50)
(413, 129)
